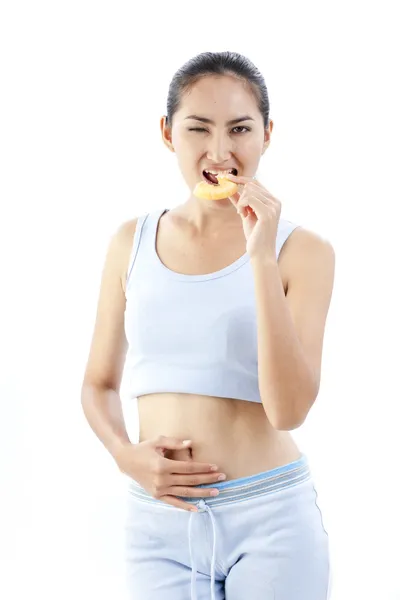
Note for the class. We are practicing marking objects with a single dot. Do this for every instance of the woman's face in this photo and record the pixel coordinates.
(218, 127)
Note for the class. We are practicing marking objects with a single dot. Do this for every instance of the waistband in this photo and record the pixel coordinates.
(241, 489)
(230, 492)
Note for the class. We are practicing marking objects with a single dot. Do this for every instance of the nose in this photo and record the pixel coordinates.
(219, 148)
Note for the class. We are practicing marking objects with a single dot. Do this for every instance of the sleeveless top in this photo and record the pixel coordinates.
(194, 334)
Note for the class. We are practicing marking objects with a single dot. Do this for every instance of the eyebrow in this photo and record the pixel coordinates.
(211, 122)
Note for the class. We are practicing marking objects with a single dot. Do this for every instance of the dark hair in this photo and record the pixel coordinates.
(217, 63)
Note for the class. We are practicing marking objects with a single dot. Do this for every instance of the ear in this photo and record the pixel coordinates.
(267, 136)
(166, 133)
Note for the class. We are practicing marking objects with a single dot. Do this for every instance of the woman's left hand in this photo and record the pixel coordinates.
(260, 212)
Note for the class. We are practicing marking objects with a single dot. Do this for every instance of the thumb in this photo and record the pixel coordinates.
(234, 198)
(170, 443)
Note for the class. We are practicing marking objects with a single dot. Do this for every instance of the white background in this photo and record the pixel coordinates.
(83, 86)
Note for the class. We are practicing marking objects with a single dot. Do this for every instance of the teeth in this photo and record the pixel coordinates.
(221, 173)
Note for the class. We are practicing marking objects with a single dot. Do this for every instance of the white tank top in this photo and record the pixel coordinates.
(194, 334)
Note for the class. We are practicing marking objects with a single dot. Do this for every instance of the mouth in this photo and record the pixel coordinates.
(211, 176)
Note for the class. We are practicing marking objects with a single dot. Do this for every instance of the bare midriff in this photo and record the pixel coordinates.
(236, 435)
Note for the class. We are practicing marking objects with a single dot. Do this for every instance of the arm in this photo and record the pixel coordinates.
(291, 328)
(100, 398)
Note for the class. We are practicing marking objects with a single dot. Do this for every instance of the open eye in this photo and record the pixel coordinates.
(241, 127)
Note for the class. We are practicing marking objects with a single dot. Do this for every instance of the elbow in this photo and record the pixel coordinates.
(86, 392)
(287, 424)
(280, 420)
(294, 415)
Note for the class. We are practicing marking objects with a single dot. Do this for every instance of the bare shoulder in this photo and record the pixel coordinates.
(121, 245)
(307, 252)
(306, 240)
(124, 233)
(127, 229)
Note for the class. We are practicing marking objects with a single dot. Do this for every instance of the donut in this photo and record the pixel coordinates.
(215, 191)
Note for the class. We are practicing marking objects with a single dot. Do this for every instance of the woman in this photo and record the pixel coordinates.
(217, 309)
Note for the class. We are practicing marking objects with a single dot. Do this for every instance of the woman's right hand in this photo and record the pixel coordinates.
(163, 478)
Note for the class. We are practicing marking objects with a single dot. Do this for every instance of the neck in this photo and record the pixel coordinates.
(211, 215)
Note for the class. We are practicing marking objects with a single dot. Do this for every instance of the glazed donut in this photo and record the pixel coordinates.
(211, 191)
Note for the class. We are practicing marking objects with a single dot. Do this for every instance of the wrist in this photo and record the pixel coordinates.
(119, 446)
(265, 261)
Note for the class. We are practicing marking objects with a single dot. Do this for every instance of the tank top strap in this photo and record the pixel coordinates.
(285, 228)
(144, 239)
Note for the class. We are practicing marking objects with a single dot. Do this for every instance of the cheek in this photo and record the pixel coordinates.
(253, 145)
(185, 144)
(188, 151)
(249, 151)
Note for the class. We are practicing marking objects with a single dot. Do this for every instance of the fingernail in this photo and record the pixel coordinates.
(186, 442)
(221, 477)
(215, 493)
(213, 467)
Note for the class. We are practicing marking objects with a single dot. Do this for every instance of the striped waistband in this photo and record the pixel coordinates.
(244, 488)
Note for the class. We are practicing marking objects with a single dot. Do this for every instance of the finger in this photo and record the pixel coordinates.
(184, 466)
(194, 479)
(256, 188)
(178, 503)
(243, 204)
(253, 191)
(249, 212)
(261, 192)
(234, 198)
(253, 186)
(240, 179)
(170, 443)
(256, 204)
(264, 195)
(191, 492)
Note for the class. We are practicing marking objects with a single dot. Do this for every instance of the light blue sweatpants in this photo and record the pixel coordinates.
(262, 538)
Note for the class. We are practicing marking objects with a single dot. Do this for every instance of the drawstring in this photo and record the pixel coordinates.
(203, 507)
(192, 561)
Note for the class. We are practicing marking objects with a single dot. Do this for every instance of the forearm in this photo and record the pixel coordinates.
(103, 410)
(286, 383)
